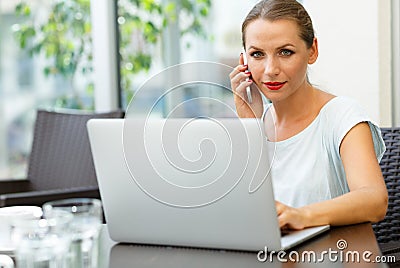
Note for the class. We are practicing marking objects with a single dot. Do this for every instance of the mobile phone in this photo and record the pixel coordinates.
(248, 92)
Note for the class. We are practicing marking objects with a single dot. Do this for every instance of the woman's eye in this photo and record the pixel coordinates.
(285, 52)
(256, 54)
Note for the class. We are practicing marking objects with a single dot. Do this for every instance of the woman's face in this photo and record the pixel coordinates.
(278, 57)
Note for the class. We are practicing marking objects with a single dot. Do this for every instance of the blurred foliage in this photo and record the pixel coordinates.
(64, 37)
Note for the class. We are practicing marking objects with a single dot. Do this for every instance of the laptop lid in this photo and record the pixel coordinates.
(196, 182)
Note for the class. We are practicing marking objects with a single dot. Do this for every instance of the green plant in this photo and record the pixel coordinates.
(65, 35)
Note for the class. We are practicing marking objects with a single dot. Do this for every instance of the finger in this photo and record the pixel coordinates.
(282, 221)
(238, 69)
(241, 59)
(240, 81)
(241, 88)
(279, 207)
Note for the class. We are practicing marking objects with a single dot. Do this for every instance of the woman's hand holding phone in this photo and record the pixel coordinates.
(242, 85)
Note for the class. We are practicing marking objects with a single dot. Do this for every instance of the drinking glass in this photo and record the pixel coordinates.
(10, 214)
(84, 228)
(40, 243)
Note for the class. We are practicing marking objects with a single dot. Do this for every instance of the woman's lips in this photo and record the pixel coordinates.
(274, 85)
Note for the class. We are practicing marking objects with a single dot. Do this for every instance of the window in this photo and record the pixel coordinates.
(24, 85)
(221, 45)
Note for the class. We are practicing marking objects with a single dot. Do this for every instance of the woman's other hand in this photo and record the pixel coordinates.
(290, 218)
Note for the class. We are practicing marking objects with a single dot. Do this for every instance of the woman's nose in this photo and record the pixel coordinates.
(271, 67)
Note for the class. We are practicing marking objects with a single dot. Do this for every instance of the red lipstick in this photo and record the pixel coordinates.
(274, 85)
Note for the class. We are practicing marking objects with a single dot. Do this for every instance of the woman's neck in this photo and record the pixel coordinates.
(301, 105)
(289, 117)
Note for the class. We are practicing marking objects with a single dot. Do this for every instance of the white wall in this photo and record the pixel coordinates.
(353, 61)
(395, 9)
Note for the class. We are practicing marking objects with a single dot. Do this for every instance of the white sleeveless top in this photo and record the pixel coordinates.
(307, 167)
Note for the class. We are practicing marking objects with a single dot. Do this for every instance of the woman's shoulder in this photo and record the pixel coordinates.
(338, 105)
(341, 113)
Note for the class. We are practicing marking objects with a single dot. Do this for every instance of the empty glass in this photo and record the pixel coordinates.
(10, 214)
(40, 243)
(84, 228)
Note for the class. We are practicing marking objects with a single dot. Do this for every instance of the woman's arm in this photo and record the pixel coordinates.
(367, 200)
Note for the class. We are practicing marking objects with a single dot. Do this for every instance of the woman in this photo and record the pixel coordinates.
(326, 168)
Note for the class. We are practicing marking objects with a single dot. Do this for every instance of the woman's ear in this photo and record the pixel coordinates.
(313, 52)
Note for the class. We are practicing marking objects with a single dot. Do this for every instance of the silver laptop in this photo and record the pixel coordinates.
(189, 182)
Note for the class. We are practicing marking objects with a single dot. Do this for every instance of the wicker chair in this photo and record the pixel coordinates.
(60, 163)
(388, 231)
